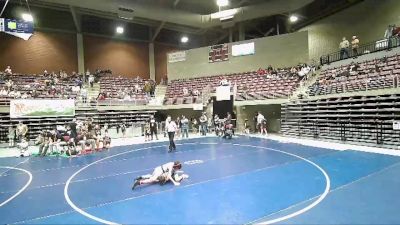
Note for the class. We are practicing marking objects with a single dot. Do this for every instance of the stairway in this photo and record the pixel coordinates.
(160, 92)
(94, 91)
(304, 85)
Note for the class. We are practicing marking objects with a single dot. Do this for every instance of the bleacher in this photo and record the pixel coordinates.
(37, 125)
(112, 85)
(366, 120)
(250, 86)
(366, 77)
(28, 83)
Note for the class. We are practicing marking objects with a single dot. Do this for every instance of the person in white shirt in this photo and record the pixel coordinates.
(224, 82)
(160, 174)
(8, 70)
(3, 92)
(171, 129)
(260, 120)
(91, 80)
(84, 94)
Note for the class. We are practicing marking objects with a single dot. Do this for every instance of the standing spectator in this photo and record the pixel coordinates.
(84, 94)
(11, 136)
(87, 74)
(91, 80)
(21, 130)
(260, 120)
(147, 135)
(194, 125)
(344, 48)
(178, 127)
(203, 124)
(153, 127)
(216, 123)
(354, 46)
(185, 127)
(171, 129)
(8, 70)
(123, 129)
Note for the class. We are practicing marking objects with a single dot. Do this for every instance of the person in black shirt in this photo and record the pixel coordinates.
(153, 127)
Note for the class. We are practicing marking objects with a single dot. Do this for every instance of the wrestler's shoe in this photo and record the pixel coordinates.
(137, 183)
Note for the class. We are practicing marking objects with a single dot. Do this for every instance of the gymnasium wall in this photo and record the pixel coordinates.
(368, 20)
(271, 112)
(50, 51)
(278, 51)
(161, 59)
(124, 58)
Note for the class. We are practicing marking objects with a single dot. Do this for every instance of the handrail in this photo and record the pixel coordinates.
(376, 46)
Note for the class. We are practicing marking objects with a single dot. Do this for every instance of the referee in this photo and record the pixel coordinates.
(171, 129)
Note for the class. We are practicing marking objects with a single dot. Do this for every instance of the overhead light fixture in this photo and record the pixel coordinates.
(222, 3)
(27, 17)
(225, 14)
(293, 18)
(120, 30)
(184, 39)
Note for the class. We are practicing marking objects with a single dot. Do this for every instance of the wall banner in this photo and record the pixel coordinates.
(28, 108)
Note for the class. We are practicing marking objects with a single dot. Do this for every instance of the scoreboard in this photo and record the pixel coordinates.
(218, 53)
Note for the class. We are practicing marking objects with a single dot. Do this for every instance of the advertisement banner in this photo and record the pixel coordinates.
(28, 108)
(177, 57)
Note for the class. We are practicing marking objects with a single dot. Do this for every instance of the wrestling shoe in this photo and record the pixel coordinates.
(137, 183)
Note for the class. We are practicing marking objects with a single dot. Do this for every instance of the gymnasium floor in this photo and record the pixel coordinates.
(239, 181)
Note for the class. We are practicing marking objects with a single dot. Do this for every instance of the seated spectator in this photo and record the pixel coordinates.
(195, 92)
(106, 140)
(3, 92)
(224, 82)
(185, 92)
(261, 71)
(9, 84)
(8, 71)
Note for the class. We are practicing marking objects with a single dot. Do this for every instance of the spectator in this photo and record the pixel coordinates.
(147, 88)
(11, 136)
(91, 80)
(203, 124)
(9, 84)
(260, 120)
(153, 127)
(185, 92)
(84, 94)
(344, 48)
(224, 82)
(185, 127)
(354, 46)
(21, 130)
(8, 71)
(3, 92)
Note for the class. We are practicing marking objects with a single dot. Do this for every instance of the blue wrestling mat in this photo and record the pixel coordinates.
(239, 181)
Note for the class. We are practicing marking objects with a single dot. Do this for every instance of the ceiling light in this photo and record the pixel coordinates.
(293, 18)
(224, 14)
(27, 17)
(222, 3)
(184, 39)
(120, 30)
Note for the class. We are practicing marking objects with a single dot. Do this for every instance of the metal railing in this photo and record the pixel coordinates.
(376, 46)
